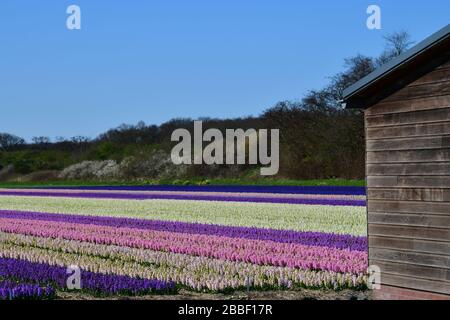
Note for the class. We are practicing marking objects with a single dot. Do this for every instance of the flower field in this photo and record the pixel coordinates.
(158, 239)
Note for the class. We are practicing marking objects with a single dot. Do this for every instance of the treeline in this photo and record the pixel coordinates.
(318, 139)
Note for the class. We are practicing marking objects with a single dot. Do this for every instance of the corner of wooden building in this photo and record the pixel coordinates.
(396, 293)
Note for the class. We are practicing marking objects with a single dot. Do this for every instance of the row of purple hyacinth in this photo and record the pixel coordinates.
(11, 290)
(140, 196)
(40, 273)
(358, 243)
(210, 188)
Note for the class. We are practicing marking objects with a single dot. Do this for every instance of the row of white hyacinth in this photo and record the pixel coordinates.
(316, 218)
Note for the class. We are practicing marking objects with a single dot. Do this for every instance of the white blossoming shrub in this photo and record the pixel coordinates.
(157, 165)
(107, 169)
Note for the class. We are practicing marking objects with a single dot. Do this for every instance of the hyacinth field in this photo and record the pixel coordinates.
(160, 239)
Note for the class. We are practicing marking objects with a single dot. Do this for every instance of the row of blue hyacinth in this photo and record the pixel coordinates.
(27, 280)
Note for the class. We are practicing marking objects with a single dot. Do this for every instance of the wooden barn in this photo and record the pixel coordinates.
(407, 122)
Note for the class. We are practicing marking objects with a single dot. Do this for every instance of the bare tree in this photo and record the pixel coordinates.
(41, 140)
(9, 141)
(80, 139)
(356, 68)
(396, 43)
(60, 139)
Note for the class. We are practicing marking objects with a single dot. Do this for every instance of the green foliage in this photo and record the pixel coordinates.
(106, 150)
(194, 181)
(27, 161)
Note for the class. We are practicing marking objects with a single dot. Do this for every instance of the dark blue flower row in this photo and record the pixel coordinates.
(11, 290)
(262, 189)
(40, 273)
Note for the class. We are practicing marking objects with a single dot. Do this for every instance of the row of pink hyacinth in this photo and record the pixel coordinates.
(198, 273)
(232, 249)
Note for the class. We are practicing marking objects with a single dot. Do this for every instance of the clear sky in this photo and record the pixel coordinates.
(156, 60)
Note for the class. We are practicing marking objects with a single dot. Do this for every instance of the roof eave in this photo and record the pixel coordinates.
(393, 65)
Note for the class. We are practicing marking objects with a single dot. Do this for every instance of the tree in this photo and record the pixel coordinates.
(80, 140)
(356, 68)
(40, 140)
(80, 143)
(396, 43)
(10, 141)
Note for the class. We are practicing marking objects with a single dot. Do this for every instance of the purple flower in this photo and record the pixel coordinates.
(264, 189)
(41, 273)
(11, 290)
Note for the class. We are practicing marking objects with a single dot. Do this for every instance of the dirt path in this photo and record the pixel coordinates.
(256, 295)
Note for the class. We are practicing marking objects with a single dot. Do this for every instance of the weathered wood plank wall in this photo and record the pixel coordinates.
(408, 184)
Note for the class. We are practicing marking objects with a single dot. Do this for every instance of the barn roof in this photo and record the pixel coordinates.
(400, 71)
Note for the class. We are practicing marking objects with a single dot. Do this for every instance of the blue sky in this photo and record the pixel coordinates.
(156, 60)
